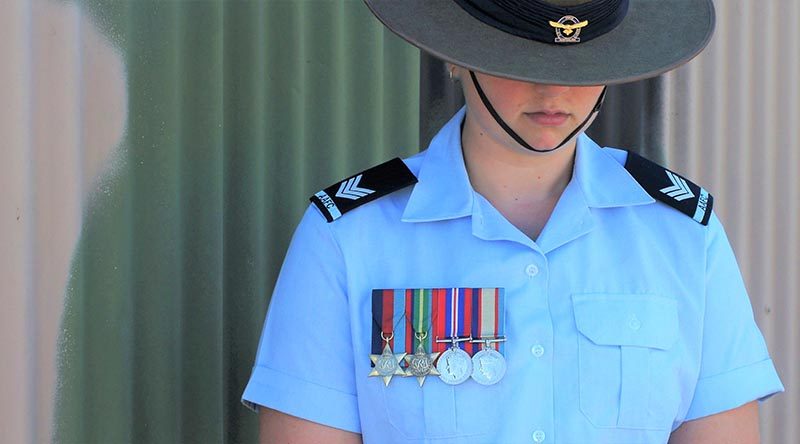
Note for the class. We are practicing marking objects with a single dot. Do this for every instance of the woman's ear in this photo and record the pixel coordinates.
(453, 72)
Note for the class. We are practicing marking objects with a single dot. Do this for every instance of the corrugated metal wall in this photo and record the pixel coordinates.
(157, 155)
(732, 122)
(62, 111)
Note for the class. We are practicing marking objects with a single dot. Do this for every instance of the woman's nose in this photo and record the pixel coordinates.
(551, 90)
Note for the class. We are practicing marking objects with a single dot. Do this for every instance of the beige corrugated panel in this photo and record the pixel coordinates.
(47, 161)
(733, 119)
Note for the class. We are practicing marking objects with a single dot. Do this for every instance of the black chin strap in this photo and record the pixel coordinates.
(517, 137)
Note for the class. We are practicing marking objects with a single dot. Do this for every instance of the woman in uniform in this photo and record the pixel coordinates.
(515, 282)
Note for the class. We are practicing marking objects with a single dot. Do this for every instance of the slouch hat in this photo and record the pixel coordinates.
(567, 42)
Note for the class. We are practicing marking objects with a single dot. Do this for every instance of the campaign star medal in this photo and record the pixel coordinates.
(420, 364)
(488, 365)
(568, 29)
(387, 364)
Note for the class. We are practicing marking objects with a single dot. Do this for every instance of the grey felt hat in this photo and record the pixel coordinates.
(568, 42)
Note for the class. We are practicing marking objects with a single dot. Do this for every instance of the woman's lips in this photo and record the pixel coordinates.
(546, 118)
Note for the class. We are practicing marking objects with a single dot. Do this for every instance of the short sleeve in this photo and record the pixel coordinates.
(735, 367)
(304, 366)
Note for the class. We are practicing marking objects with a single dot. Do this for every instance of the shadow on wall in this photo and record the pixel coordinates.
(143, 328)
(64, 113)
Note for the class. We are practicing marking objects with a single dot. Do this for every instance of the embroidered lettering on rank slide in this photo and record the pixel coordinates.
(671, 188)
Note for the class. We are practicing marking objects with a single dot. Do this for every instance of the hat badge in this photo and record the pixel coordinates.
(568, 29)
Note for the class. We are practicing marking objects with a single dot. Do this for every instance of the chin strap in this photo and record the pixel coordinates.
(582, 127)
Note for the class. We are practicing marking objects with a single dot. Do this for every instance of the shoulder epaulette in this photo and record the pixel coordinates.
(671, 188)
(363, 187)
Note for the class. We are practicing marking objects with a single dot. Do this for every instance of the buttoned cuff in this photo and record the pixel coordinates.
(303, 399)
(735, 388)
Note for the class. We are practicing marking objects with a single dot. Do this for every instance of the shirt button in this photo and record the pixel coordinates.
(537, 350)
(634, 323)
(532, 270)
(538, 436)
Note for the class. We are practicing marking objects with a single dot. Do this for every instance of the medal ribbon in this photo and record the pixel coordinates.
(442, 313)
(460, 307)
(491, 317)
(388, 309)
(421, 316)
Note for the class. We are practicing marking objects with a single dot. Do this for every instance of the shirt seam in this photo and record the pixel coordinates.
(338, 246)
(716, 375)
(305, 380)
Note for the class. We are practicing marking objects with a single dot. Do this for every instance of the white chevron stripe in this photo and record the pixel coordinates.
(344, 185)
(357, 189)
(349, 189)
(679, 190)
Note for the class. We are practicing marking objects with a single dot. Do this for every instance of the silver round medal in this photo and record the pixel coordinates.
(454, 366)
(488, 366)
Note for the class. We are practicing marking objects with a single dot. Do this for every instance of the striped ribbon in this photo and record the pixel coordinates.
(442, 313)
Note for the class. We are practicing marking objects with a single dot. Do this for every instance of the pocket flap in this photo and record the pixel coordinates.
(640, 320)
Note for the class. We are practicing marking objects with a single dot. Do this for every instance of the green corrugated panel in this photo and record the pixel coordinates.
(237, 112)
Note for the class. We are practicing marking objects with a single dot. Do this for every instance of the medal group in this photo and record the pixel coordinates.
(463, 328)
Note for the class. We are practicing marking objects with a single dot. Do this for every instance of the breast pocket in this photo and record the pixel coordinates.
(439, 411)
(430, 317)
(628, 370)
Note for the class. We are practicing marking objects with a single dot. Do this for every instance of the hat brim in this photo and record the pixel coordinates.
(654, 37)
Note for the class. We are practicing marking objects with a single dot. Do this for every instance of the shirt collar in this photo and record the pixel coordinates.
(602, 177)
(444, 191)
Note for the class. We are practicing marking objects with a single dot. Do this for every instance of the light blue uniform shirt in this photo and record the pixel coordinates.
(624, 319)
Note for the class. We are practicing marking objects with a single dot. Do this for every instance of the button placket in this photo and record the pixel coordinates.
(536, 271)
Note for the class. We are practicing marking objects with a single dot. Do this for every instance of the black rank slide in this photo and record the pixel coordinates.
(671, 188)
(364, 187)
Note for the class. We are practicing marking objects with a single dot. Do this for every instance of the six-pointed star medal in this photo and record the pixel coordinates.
(387, 364)
(420, 364)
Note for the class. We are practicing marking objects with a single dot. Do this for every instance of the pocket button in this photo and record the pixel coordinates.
(538, 436)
